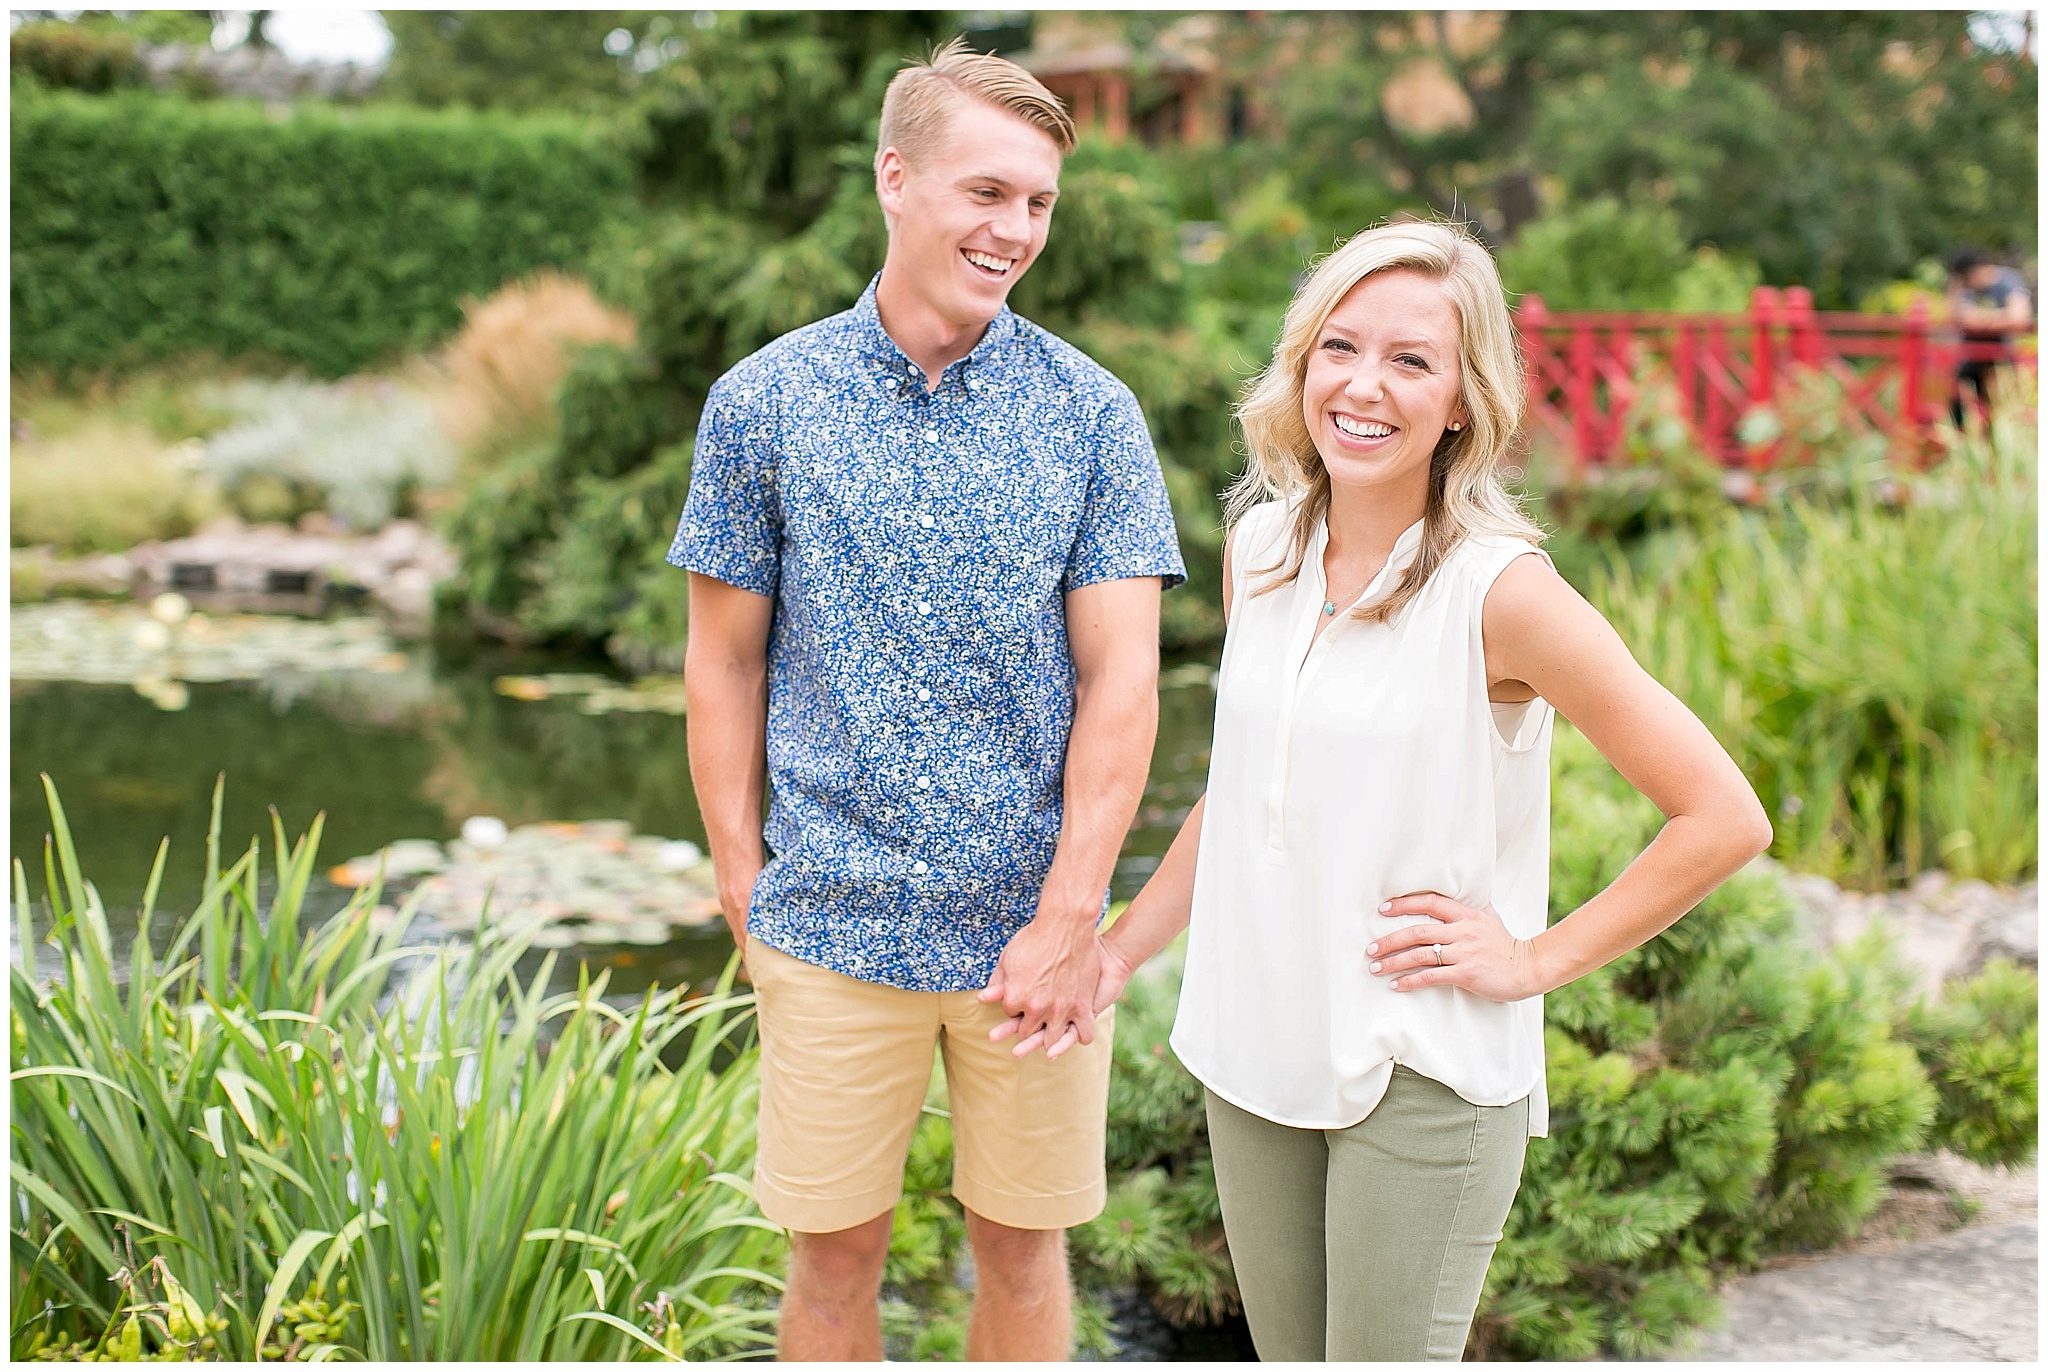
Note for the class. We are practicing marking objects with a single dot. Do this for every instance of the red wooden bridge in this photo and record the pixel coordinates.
(1587, 370)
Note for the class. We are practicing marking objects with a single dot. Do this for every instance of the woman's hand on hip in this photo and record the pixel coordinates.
(1459, 946)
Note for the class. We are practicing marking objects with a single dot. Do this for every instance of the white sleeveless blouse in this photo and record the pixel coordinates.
(1346, 770)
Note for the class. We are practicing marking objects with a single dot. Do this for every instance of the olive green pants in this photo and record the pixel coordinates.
(1367, 1244)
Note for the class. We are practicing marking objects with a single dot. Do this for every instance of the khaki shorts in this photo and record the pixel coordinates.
(844, 1069)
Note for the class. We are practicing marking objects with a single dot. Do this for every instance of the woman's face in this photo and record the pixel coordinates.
(1383, 381)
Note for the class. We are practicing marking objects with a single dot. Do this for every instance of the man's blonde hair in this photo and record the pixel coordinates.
(920, 100)
(1466, 492)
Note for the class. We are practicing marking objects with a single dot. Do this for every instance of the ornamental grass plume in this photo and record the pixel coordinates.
(265, 1142)
(499, 376)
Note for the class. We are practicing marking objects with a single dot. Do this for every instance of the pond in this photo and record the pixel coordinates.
(391, 741)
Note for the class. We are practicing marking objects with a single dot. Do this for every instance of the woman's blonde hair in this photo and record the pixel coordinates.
(1466, 495)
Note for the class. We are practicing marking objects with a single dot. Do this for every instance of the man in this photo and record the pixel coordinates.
(927, 541)
(1992, 304)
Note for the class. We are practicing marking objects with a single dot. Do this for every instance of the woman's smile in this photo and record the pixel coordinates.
(1382, 383)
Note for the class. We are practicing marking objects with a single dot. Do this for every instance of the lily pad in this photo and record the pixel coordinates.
(589, 882)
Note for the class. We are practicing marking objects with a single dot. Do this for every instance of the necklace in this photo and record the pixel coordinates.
(1330, 606)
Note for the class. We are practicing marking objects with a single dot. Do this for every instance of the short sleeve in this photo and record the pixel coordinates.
(731, 527)
(1126, 521)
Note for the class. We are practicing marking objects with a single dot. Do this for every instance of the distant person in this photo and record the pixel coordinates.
(926, 542)
(1992, 304)
(1365, 884)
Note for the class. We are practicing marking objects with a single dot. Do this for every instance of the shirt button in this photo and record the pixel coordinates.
(919, 867)
(973, 383)
(924, 607)
(931, 435)
(927, 521)
(924, 783)
(924, 694)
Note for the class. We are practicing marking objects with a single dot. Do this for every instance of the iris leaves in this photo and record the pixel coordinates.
(335, 1143)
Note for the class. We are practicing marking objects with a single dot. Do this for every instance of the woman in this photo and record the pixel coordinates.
(1366, 878)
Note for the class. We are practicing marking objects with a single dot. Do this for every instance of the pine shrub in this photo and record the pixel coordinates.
(1981, 1044)
(1719, 1095)
(1716, 1095)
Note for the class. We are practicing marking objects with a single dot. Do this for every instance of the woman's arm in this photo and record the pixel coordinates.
(1155, 916)
(1542, 638)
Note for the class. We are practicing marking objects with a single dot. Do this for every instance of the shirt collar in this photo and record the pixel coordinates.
(1406, 549)
(874, 342)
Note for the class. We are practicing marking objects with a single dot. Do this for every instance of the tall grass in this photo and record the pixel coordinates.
(104, 487)
(1872, 665)
(265, 1142)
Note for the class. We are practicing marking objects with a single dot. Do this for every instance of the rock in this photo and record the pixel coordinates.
(397, 567)
(1968, 1296)
(2011, 931)
(1940, 928)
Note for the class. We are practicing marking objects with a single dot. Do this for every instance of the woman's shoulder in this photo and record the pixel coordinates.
(1486, 555)
(1257, 529)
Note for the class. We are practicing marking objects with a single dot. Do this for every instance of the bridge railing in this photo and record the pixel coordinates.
(1587, 369)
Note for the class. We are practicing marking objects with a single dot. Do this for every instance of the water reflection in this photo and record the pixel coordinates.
(389, 755)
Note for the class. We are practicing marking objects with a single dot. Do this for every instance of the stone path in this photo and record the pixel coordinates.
(1971, 1295)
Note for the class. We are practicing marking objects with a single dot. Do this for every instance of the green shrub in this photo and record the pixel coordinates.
(105, 487)
(147, 227)
(71, 56)
(1981, 1044)
(1602, 254)
(1715, 1096)
(560, 562)
(265, 1122)
(507, 516)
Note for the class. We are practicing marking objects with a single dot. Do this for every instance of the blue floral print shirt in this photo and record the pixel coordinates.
(918, 545)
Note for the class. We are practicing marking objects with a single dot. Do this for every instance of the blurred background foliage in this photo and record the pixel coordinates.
(555, 229)
(562, 227)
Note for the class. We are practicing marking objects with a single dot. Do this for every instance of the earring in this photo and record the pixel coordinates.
(1457, 426)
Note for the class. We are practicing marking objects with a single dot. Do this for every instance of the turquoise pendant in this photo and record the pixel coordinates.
(1328, 608)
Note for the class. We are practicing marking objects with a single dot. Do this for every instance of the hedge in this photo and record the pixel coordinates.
(147, 227)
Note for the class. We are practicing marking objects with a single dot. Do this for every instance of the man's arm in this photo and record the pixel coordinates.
(2014, 317)
(1047, 974)
(725, 676)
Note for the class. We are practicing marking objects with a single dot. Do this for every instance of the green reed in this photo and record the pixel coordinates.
(268, 1142)
(1870, 662)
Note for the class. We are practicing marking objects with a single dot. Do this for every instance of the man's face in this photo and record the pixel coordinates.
(1983, 276)
(973, 218)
